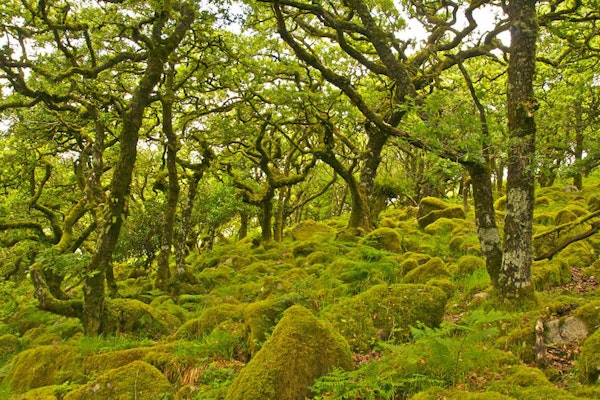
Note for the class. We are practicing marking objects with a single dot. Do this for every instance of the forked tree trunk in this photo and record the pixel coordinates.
(93, 289)
(514, 282)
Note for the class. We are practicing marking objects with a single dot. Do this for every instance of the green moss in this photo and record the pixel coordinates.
(579, 254)
(441, 226)
(44, 366)
(300, 350)
(408, 265)
(468, 264)
(544, 218)
(384, 239)
(589, 359)
(260, 318)
(434, 268)
(208, 320)
(543, 201)
(9, 346)
(385, 312)
(53, 392)
(445, 284)
(450, 212)
(429, 204)
(455, 394)
(99, 363)
(310, 230)
(529, 383)
(550, 273)
(500, 203)
(212, 277)
(564, 216)
(125, 316)
(137, 380)
(593, 203)
(590, 314)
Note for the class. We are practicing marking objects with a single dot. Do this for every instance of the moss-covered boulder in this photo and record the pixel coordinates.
(523, 382)
(9, 346)
(384, 239)
(210, 318)
(589, 359)
(593, 203)
(53, 392)
(590, 314)
(126, 316)
(442, 226)
(434, 268)
(500, 203)
(455, 394)
(551, 273)
(137, 380)
(429, 204)
(44, 366)
(564, 216)
(260, 318)
(468, 264)
(300, 350)
(310, 230)
(449, 212)
(386, 312)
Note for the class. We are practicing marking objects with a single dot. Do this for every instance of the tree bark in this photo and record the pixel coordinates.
(514, 282)
(93, 307)
(186, 218)
(163, 272)
(485, 218)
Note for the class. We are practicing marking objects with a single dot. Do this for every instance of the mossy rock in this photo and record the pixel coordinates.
(468, 264)
(137, 380)
(237, 262)
(589, 314)
(386, 312)
(306, 230)
(102, 362)
(127, 316)
(543, 201)
(384, 239)
(544, 218)
(420, 258)
(449, 212)
(529, 383)
(593, 203)
(408, 265)
(455, 394)
(500, 203)
(260, 318)
(441, 226)
(305, 248)
(212, 277)
(445, 284)
(210, 318)
(52, 392)
(9, 346)
(44, 366)
(564, 216)
(429, 204)
(579, 254)
(550, 273)
(300, 350)
(434, 268)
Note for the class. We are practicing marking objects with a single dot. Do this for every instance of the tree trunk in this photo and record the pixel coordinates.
(485, 217)
(184, 229)
(244, 219)
(266, 217)
(514, 282)
(372, 160)
(163, 273)
(578, 153)
(93, 289)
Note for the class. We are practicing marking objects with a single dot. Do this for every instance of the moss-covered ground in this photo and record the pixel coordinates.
(403, 312)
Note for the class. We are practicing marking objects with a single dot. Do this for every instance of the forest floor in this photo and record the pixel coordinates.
(410, 306)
